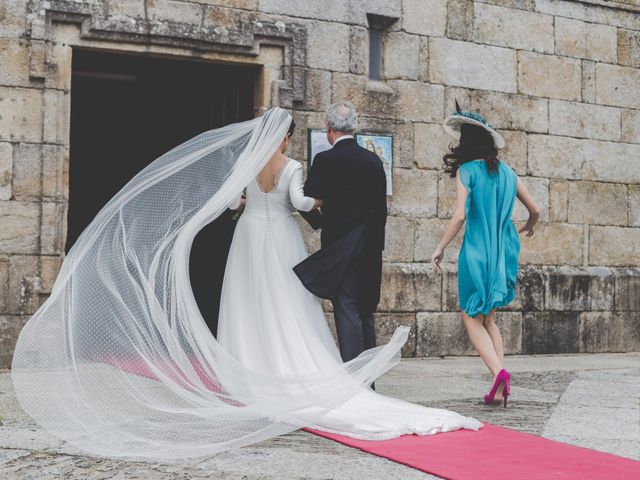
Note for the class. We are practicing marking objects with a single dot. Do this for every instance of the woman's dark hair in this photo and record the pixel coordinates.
(292, 127)
(475, 143)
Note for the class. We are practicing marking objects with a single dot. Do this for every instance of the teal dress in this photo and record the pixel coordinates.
(488, 260)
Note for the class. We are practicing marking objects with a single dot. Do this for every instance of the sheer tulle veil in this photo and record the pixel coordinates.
(119, 361)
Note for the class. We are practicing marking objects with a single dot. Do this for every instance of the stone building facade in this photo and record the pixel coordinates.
(559, 78)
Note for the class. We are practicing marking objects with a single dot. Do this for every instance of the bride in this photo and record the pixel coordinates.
(270, 322)
(119, 362)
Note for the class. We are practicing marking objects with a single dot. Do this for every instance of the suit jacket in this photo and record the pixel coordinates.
(352, 183)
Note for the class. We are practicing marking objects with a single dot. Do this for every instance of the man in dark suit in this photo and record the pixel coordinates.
(347, 270)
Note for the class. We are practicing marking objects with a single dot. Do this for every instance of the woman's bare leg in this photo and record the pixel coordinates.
(494, 333)
(482, 342)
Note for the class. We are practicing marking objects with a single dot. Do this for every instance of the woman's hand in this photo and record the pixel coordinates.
(528, 227)
(319, 203)
(436, 258)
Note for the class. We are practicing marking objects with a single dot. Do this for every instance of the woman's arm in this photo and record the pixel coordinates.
(530, 204)
(296, 193)
(455, 224)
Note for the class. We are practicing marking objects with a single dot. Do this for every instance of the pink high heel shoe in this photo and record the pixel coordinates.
(502, 377)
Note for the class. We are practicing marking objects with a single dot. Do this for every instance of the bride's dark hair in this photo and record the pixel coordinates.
(475, 143)
(292, 127)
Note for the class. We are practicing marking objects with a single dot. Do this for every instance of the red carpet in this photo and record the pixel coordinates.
(496, 453)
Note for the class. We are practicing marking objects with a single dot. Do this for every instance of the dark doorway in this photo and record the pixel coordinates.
(127, 110)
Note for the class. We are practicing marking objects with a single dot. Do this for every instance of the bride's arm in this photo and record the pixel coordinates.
(296, 192)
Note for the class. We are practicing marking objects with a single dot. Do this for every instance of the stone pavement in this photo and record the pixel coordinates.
(587, 400)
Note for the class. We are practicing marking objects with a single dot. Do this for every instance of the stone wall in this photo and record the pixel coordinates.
(559, 79)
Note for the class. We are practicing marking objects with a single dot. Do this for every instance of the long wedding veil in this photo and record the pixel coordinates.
(119, 361)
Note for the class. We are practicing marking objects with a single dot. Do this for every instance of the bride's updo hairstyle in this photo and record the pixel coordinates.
(475, 143)
(292, 127)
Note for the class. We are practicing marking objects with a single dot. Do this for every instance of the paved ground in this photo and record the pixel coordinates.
(587, 400)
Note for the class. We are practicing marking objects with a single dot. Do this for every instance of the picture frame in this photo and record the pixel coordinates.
(382, 145)
(316, 142)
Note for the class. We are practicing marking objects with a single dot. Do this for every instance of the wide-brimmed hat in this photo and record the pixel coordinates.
(454, 121)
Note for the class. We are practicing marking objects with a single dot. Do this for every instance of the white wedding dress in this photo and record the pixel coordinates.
(271, 324)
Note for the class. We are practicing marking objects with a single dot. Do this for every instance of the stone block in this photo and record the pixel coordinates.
(387, 323)
(428, 234)
(401, 56)
(539, 189)
(13, 18)
(21, 119)
(175, 12)
(553, 244)
(450, 296)
(415, 193)
(57, 114)
(634, 205)
(20, 228)
(53, 224)
(598, 203)
(444, 333)
(460, 19)
(631, 126)
(27, 171)
(456, 63)
(550, 332)
(10, 327)
(549, 76)
(418, 102)
(409, 287)
(328, 46)
(614, 246)
(403, 143)
(49, 269)
(530, 290)
(14, 57)
(590, 13)
(588, 81)
(4, 284)
(617, 85)
(446, 195)
(609, 332)
(585, 40)
(370, 98)
(628, 48)
(359, 50)
(584, 120)
(24, 285)
(423, 68)
(496, 25)
(627, 284)
(515, 151)
(229, 18)
(55, 160)
(583, 288)
(425, 17)
(399, 240)
(558, 200)
(503, 110)
(128, 9)
(318, 89)
(6, 170)
(431, 143)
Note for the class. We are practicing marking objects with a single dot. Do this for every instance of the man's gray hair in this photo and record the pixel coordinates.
(342, 117)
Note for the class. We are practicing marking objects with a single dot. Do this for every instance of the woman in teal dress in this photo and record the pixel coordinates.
(486, 189)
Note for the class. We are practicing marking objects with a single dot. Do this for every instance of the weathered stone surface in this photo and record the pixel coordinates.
(584, 288)
(584, 120)
(539, 189)
(359, 50)
(57, 113)
(53, 224)
(446, 195)
(4, 284)
(431, 143)
(328, 46)
(49, 269)
(318, 89)
(558, 200)
(174, 11)
(591, 13)
(618, 86)
(13, 18)
(609, 332)
(495, 25)
(629, 47)
(370, 98)
(55, 160)
(515, 151)
(450, 297)
(504, 111)
(585, 40)
(550, 332)
(530, 289)
(460, 19)
(403, 144)
(24, 285)
(419, 102)
(456, 63)
(27, 171)
(21, 118)
(401, 56)
(631, 126)
(409, 287)
(444, 333)
(588, 81)
(597, 203)
(127, 9)
(549, 76)
(19, 232)
(553, 244)
(627, 282)
(572, 158)
(10, 326)
(425, 17)
(399, 240)
(6, 170)
(386, 324)
(415, 193)
(428, 234)
(614, 246)
(14, 57)
(634, 205)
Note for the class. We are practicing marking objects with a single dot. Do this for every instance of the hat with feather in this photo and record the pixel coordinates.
(453, 123)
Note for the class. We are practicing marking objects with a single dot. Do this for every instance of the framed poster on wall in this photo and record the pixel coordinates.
(317, 142)
(381, 144)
